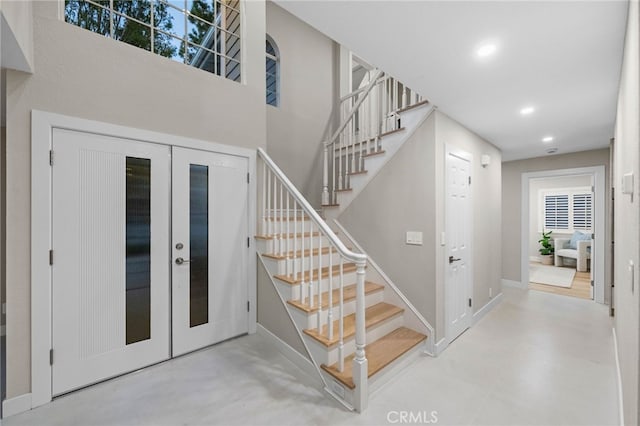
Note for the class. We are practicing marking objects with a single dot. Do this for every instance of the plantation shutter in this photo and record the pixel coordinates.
(556, 211)
(582, 211)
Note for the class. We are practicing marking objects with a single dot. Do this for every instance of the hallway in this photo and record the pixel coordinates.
(537, 358)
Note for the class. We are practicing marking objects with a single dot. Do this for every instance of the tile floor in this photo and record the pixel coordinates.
(536, 359)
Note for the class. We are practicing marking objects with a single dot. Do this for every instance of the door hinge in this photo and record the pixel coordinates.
(248, 178)
(50, 257)
(51, 157)
(248, 241)
(50, 356)
(591, 283)
(469, 302)
(469, 180)
(248, 306)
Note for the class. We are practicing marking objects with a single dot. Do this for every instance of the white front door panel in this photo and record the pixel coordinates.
(111, 257)
(209, 248)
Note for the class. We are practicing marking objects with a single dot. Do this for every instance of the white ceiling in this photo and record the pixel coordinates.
(562, 57)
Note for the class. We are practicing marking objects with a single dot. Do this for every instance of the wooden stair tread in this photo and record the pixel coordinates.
(293, 255)
(292, 235)
(331, 205)
(374, 315)
(346, 268)
(391, 132)
(379, 354)
(416, 105)
(284, 217)
(344, 190)
(361, 172)
(371, 154)
(348, 294)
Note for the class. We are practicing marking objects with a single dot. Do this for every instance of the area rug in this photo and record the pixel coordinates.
(551, 275)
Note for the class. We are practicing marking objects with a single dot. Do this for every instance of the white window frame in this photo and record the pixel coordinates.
(275, 58)
(569, 192)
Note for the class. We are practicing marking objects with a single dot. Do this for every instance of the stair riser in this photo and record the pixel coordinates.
(273, 245)
(294, 294)
(329, 356)
(304, 320)
(280, 265)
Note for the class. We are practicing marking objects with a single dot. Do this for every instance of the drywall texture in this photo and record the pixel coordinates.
(627, 212)
(408, 195)
(536, 218)
(303, 119)
(16, 35)
(82, 74)
(512, 199)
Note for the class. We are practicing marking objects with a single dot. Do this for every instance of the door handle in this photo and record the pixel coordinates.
(451, 259)
(180, 261)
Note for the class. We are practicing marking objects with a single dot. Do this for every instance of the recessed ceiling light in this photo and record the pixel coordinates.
(486, 50)
(527, 110)
(547, 139)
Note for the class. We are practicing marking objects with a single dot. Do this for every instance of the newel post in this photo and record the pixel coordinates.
(325, 176)
(360, 363)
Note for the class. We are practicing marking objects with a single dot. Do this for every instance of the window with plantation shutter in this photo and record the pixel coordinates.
(566, 210)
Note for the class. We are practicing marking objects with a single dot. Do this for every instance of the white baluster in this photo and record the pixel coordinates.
(273, 215)
(325, 174)
(330, 311)
(281, 219)
(269, 221)
(341, 318)
(264, 230)
(288, 236)
(311, 294)
(302, 265)
(295, 240)
(319, 286)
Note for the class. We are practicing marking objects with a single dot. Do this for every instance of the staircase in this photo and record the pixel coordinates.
(376, 120)
(355, 324)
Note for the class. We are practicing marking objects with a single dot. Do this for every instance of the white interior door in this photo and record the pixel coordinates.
(458, 232)
(210, 248)
(110, 257)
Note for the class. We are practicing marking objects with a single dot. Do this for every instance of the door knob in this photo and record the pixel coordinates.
(451, 259)
(180, 261)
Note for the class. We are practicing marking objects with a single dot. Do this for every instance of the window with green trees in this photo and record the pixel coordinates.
(202, 33)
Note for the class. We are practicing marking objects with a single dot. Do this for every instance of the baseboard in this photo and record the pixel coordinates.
(535, 259)
(620, 400)
(486, 308)
(16, 405)
(291, 354)
(441, 345)
(512, 283)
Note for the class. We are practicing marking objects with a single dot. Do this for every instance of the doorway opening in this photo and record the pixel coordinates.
(563, 222)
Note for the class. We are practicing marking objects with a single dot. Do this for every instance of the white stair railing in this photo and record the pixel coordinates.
(297, 232)
(366, 114)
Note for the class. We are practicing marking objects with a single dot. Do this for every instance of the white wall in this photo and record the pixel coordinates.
(308, 94)
(535, 206)
(82, 74)
(627, 217)
(408, 195)
(16, 35)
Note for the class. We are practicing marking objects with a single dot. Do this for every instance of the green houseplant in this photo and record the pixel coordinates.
(546, 249)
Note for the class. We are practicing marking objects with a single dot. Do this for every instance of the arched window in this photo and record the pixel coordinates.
(273, 73)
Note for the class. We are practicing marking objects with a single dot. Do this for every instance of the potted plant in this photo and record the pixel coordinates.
(546, 249)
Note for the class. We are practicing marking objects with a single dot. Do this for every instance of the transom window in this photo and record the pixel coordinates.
(273, 71)
(567, 210)
(202, 33)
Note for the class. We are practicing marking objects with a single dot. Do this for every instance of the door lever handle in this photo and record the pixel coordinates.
(453, 259)
(180, 261)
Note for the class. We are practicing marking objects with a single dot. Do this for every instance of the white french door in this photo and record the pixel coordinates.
(110, 259)
(150, 256)
(458, 231)
(210, 248)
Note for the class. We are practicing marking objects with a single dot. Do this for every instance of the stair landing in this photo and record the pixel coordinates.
(379, 354)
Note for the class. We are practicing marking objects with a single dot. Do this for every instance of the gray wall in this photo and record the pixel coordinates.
(535, 223)
(627, 212)
(308, 89)
(85, 75)
(512, 198)
(408, 195)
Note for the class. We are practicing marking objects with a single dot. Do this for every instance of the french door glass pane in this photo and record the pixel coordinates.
(199, 245)
(138, 249)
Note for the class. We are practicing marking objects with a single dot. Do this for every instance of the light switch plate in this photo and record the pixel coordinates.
(627, 183)
(414, 238)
